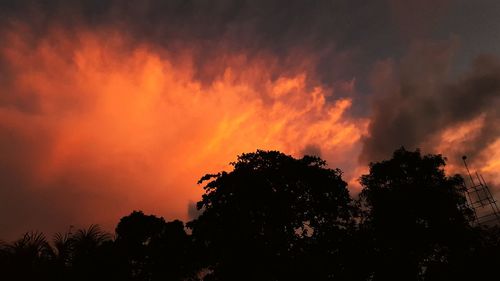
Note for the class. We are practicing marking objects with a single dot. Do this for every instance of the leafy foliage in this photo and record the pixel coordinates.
(153, 249)
(416, 214)
(274, 217)
(268, 212)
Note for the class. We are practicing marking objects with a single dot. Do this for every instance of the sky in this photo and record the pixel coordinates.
(112, 106)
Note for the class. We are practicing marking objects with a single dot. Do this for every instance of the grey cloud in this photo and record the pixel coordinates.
(423, 99)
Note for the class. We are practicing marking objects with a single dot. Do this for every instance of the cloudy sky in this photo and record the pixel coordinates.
(112, 106)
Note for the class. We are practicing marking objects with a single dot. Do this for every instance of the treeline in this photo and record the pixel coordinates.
(275, 217)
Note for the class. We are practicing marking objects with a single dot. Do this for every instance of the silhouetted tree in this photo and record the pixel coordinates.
(28, 258)
(63, 254)
(477, 260)
(485, 256)
(89, 253)
(416, 214)
(273, 217)
(154, 249)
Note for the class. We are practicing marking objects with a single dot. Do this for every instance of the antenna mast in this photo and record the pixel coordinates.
(480, 199)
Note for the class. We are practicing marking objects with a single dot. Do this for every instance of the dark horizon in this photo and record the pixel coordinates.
(275, 217)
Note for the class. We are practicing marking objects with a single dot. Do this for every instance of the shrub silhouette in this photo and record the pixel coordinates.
(26, 258)
(153, 249)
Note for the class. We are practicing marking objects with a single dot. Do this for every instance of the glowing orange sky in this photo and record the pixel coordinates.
(129, 127)
(137, 123)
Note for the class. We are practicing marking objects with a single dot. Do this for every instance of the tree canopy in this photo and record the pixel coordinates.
(415, 213)
(276, 217)
(266, 214)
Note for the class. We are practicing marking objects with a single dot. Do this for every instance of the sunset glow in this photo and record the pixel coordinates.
(113, 108)
(136, 125)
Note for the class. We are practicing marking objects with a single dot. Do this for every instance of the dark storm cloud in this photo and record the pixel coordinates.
(418, 98)
(343, 33)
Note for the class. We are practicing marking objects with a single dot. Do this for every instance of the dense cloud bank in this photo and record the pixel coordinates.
(109, 106)
(417, 99)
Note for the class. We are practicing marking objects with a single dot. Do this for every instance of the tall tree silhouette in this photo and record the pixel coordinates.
(416, 214)
(270, 216)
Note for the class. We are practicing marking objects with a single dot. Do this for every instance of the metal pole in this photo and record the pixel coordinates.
(468, 171)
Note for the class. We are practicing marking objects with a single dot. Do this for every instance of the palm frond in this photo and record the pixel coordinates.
(32, 244)
(92, 236)
(63, 244)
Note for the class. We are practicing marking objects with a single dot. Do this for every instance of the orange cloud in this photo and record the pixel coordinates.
(125, 127)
